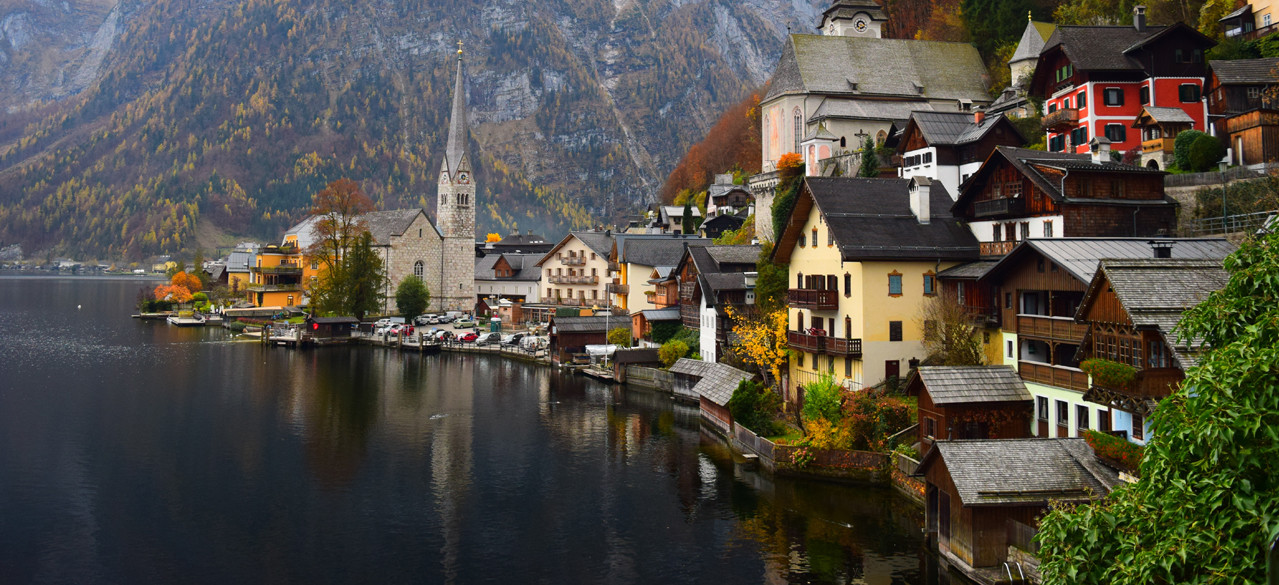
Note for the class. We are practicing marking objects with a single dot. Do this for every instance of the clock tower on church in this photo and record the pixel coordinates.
(455, 209)
(853, 18)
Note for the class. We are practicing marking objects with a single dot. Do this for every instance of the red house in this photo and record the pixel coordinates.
(1095, 79)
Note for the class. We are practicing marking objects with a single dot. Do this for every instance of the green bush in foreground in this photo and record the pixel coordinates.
(755, 407)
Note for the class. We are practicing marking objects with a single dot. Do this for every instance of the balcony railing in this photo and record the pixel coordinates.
(576, 279)
(1142, 394)
(282, 269)
(618, 289)
(805, 342)
(843, 346)
(1063, 119)
(1057, 328)
(807, 298)
(997, 248)
(1005, 206)
(663, 300)
(1059, 376)
(573, 260)
(569, 302)
(275, 287)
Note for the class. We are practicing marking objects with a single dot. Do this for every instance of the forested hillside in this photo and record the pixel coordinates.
(216, 119)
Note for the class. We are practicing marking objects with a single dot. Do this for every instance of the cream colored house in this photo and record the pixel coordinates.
(864, 256)
(576, 271)
(635, 257)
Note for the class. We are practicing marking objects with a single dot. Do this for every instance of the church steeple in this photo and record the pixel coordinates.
(853, 18)
(455, 156)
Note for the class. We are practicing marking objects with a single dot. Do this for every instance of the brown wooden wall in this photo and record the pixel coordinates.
(1106, 308)
(1143, 186)
(1259, 130)
(1116, 221)
(1025, 275)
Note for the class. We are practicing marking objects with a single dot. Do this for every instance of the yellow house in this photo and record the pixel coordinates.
(864, 256)
(634, 257)
(278, 276)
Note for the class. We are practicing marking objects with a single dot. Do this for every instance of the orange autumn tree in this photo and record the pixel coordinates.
(171, 292)
(493, 238)
(187, 280)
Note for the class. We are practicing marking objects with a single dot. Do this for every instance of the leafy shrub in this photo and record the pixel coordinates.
(755, 407)
(822, 400)
(620, 336)
(1181, 148)
(671, 351)
(1126, 454)
(871, 419)
(1109, 373)
(1205, 152)
(1241, 197)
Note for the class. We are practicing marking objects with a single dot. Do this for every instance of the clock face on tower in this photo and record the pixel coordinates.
(444, 177)
(860, 25)
(464, 178)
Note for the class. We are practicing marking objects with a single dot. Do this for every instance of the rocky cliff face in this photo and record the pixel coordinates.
(193, 118)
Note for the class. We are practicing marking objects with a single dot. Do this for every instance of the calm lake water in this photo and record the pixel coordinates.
(136, 452)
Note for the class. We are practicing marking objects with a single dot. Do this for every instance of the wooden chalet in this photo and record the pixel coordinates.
(642, 322)
(1038, 289)
(950, 146)
(570, 335)
(322, 330)
(1019, 194)
(1243, 104)
(1130, 309)
(970, 402)
(711, 278)
(711, 385)
(983, 496)
(1159, 128)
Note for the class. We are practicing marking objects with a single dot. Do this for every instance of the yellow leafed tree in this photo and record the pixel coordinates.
(760, 340)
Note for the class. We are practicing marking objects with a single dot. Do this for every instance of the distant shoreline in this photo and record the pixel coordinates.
(34, 274)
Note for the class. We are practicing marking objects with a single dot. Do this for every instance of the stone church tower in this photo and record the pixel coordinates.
(455, 209)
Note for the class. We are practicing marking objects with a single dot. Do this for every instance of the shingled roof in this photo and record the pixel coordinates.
(1032, 41)
(1080, 256)
(1036, 166)
(524, 267)
(654, 250)
(954, 128)
(968, 384)
(717, 381)
(1106, 48)
(1245, 71)
(384, 224)
(872, 220)
(1022, 472)
(854, 66)
(594, 324)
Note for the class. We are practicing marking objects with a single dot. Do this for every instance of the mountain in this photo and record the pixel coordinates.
(134, 127)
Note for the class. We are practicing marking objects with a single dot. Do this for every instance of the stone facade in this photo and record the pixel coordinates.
(420, 244)
(455, 206)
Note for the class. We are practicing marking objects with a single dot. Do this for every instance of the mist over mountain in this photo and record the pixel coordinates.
(133, 128)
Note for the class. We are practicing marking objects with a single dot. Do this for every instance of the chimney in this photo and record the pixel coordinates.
(979, 116)
(1139, 18)
(1100, 147)
(1161, 248)
(919, 198)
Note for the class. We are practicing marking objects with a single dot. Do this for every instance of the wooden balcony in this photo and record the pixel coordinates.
(664, 298)
(845, 347)
(577, 279)
(1055, 328)
(1150, 386)
(1062, 120)
(1157, 145)
(573, 260)
(1014, 206)
(817, 300)
(804, 342)
(1059, 376)
(997, 248)
(614, 288)
(296, 286)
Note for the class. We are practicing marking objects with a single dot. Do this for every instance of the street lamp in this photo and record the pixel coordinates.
(1222, 166)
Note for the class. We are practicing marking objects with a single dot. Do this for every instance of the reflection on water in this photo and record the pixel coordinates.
(136, 452)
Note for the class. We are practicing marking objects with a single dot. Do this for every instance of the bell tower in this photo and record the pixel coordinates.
(853, 18)
(455, 208)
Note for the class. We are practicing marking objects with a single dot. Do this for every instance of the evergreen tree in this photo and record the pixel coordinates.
(688, 216)
(870, 161)
(366, 278)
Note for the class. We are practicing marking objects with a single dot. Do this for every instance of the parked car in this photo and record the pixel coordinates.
(512, 339)
(491, 338)
(400, 329)
(467, 337)
(442, 335)
(427, 319)
(464, 323)
(441, 319)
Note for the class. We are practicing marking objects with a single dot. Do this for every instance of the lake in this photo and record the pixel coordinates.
(138, 452)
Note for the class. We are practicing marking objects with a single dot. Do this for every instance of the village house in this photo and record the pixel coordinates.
(708, 280)
(1131, 309)
(715, 227)
(576, 271)
(863, 257)
(983, 496)
(1019, 194)
(569, 336)
(509, 276)
(948, 147)
(1252, 20)
(515, 243)
(1158, 128)
(1243, 103)
(277, 276)
(1095, 79)
(1039, 288)
(711, 385)
(635, 258)
(970, 402)
(724, 197)
(1013, 100)
(855, 84)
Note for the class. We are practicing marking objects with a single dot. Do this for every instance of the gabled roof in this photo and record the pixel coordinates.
(1245, 71)
(956, 128)
(1022, 472)
(867, 110)
(1036, 165)
(384, 224)
(593, 324)
(1154, 292)
(1080, 256)
(717, 381)
(1164, 116)
(1107, 48)
(969, 384)
(653, 249)
(855, 66)
(973, 270)
(871, 219)
(524, 267)
(599, 242)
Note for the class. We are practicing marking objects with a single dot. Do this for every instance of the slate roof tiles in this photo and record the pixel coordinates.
(967, 384)
(1022, 471)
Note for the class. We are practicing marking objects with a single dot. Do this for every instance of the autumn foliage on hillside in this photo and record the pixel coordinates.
(732, 143)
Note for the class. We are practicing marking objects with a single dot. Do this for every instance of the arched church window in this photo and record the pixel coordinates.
(843, 142)
(418, 268)
(799, 129)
